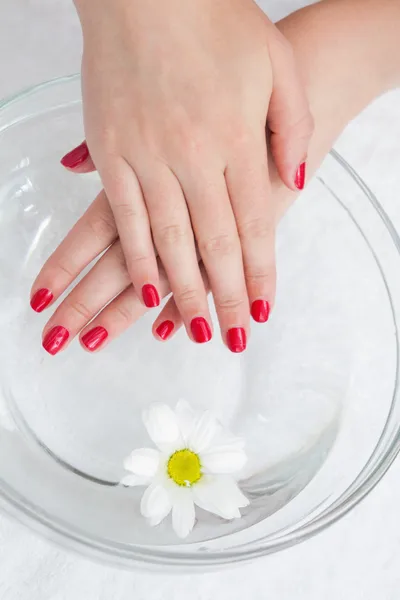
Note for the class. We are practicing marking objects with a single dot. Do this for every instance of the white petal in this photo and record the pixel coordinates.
(223, 460)
(219, 495)
(156, 520)
(204, 431)
(183, 513)
(162, 426)
(186, 418)
(134, 480)
(224, 438)
(155, 503)
(143, 462)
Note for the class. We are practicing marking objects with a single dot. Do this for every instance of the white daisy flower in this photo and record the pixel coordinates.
(193, 466)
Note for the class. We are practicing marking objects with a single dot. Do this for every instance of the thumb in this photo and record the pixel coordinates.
(289, 119)
(78, 160)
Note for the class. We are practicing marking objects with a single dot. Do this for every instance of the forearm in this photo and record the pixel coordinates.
(348, 52)
(351, 46)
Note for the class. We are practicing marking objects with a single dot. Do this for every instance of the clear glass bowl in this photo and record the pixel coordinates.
(315, 395)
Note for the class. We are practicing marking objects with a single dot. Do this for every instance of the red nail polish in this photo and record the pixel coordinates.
(260, 311)
(41, 299)
(76, 157)
(94, 338)
(201, 330)
(165, 329)
(150, 296)
(300, 179)
(55, 339)
(236, 339)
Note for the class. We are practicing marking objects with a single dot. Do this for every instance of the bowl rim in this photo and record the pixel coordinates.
(130, 555)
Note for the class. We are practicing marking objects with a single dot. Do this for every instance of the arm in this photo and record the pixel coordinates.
(349, 54)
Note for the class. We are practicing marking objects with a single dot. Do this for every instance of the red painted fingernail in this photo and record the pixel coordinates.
(41, 299)
(165, 329)
(300, 179)
(150, 296)
(76, 157)
(201, 330)
(94, 338)
(55, 339)
(236, 339)
(260, 311)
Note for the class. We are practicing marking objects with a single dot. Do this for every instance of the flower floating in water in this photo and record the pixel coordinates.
(193, 466)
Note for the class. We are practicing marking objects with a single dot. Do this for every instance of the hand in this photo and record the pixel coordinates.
(175, 102)
(335, 97)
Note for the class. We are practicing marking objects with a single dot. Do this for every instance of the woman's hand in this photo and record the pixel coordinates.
(176, 96)
(335, 97)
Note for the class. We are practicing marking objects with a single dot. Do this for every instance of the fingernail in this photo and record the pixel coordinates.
(76, 157)
(201, 330)
(55, 339)
(94, 338)
(165, 329)
(41, 299)
(150, 296)
(236, 339)
(260, 311)
(300, 179)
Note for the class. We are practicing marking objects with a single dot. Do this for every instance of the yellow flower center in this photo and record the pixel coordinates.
(184, 467)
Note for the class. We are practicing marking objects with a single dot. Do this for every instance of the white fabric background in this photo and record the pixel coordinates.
(357, 559)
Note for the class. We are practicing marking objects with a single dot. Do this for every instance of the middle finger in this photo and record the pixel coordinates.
(219, 246)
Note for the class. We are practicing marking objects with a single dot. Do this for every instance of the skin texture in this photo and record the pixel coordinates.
(370, 47)
(175, 116)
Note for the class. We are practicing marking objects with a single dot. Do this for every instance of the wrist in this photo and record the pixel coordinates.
(341, 79)
(349, 50)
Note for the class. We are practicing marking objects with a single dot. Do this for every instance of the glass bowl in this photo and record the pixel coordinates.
(315, 395)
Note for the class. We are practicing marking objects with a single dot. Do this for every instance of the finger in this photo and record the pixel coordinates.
(289, 119)
(97, 227)
(130, 212)
(173, 238)
(169, 321)
(118, 316)
(79, 160)
(108, 278)
(249, 189)
(219, 246)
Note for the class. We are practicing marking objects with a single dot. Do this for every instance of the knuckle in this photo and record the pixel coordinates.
(303, 127)
(138, 267)
(80, 309)
(66, 269)
(260, 276)
(170, 235)
(257, 228)
(106, 137)
(222, 244)
(191, 142)
(126, 210)
(124, 313)
(138, 261)
(187, 295)
(230, 303)
(244, 137)
(103, 226)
